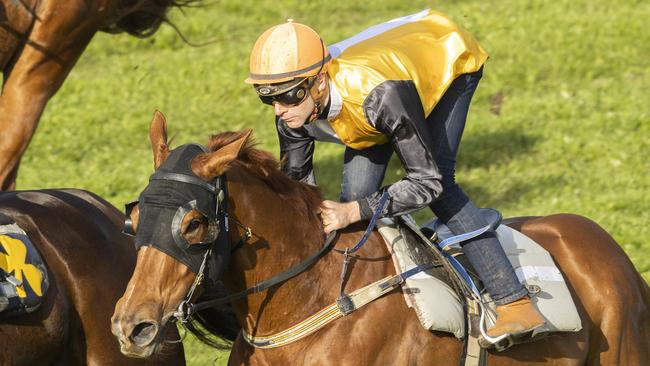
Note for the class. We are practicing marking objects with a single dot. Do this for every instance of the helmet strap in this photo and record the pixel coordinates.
(318, 106)
(314, 114)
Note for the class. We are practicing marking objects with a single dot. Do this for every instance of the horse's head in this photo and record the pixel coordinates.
(179, 223)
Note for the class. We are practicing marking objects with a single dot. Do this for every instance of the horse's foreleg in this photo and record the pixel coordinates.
(57, 40)
(18, 121)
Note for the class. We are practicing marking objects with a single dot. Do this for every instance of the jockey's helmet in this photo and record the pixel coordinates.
(284, 56)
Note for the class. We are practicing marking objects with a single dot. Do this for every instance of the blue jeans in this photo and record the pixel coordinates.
(363, 173)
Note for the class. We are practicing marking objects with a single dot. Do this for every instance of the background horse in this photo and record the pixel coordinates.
(611, 297)
(89, 262)
(40, 41)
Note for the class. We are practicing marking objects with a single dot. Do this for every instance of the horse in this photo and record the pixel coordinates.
(89, 261)
(273, 225)
(40, 41)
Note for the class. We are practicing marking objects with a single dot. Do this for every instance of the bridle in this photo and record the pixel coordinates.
(186, 308)
(220, 243)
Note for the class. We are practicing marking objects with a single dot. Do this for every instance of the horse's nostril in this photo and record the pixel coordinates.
(143, 333)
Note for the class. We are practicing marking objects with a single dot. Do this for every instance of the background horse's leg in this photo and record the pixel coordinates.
(58, 37)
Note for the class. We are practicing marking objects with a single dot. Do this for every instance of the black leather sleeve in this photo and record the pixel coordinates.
(296, 152)
(394, 108)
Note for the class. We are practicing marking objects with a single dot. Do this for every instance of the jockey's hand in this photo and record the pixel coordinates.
(337, 215)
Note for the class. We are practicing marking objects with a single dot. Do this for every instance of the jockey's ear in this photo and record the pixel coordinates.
(158, 136)
(208, 166)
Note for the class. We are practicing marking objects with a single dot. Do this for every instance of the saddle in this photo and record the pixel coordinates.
(450, 298)
(23, 276)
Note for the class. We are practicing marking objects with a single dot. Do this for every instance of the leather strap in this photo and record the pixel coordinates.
(292, 272)
(341, 307)
(160, 175)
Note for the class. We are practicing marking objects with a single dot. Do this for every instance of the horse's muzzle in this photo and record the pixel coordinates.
(137, 338)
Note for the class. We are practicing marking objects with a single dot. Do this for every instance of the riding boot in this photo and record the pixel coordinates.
(518, 317)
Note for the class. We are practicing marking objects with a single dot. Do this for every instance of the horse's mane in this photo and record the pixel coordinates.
(141, 18)
(303, 197)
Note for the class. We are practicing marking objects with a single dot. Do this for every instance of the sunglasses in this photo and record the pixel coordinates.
(292, 97)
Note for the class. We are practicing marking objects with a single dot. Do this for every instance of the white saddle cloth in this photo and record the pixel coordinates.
(439, 308)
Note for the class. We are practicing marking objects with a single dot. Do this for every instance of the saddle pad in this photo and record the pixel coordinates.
(439, 308)
(435, 303)
(23, 275)
(535, 266)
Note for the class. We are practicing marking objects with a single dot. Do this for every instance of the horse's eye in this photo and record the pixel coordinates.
(194, 224)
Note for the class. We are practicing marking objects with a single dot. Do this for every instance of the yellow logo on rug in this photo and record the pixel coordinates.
(14, 261)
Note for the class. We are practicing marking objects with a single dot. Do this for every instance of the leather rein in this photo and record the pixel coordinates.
(186, 308)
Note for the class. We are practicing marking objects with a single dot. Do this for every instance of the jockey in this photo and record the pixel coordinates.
(403, 86)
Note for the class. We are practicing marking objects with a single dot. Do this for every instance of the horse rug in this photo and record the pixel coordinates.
(23, 276)
(439, 307)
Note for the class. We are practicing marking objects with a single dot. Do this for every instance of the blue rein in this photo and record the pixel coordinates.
(443, 245)
(371, 226)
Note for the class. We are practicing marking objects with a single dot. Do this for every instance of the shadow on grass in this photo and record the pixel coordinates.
(494, 148)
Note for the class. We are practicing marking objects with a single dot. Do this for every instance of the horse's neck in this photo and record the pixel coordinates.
(282, 237)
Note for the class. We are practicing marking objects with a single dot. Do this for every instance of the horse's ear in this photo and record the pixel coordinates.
(208, 166)
(158, 136)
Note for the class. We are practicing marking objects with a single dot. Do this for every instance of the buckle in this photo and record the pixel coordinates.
(184, 311)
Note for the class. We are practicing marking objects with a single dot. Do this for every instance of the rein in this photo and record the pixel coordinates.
(371, 225)
(186, 309)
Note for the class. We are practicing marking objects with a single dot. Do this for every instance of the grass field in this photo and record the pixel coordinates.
(560, 121)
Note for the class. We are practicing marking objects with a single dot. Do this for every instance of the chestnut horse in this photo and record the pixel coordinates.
(611, 297)
(89, 262)
(40, 41)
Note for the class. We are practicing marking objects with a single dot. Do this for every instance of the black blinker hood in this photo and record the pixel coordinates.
(172, 190)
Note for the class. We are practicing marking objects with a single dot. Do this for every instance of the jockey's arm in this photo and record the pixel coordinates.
(296, 152)
(394, 108)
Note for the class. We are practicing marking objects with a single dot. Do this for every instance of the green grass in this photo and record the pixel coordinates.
(571, 135)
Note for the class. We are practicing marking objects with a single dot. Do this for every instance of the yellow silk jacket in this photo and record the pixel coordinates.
(427, 48)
